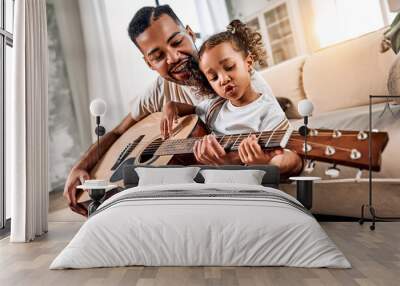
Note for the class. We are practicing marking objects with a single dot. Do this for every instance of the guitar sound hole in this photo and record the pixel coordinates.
(147, 156)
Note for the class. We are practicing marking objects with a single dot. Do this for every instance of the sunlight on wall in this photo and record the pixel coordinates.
(186, 11)
(339, 20)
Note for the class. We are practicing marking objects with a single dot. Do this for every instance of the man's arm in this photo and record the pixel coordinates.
(80, 171)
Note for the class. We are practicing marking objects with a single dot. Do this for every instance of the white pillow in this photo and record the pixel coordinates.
(248, 177)
(166, 176)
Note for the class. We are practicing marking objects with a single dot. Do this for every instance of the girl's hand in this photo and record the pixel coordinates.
(209, 152)
(169, 117)
(250, 152)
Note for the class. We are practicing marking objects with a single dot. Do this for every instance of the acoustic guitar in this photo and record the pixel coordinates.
(142, 145)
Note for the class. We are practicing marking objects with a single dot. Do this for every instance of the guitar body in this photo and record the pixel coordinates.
(136, 146)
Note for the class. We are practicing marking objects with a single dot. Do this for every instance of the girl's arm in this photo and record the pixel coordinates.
(289, 162)
(171, 111)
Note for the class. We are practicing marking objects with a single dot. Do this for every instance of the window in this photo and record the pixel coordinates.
(6, 43)
(339, 20)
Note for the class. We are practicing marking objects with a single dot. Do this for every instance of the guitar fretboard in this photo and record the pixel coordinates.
(266, 139)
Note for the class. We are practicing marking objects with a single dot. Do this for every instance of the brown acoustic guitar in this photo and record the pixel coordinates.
(142, 145)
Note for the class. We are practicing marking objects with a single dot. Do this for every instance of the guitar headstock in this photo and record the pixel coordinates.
(347, 148)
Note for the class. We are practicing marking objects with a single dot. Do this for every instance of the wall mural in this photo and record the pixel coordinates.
(301, 64)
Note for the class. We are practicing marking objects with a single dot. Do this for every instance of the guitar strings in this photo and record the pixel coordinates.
(266, 133)
(158, 142)
(263, 136)
(320, 144)
(273, 137)
(150, 151)
(155, 145)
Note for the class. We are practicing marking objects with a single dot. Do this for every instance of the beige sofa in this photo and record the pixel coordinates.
(338, 80)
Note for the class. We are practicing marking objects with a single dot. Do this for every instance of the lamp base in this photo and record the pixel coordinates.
(97, 196)
(304, 190)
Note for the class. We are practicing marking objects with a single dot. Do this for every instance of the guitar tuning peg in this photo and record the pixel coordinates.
(309, 166)
(309, 147)
(332, 171)
(329, 150)
(355, 154)
(336, 133)
(362, 135)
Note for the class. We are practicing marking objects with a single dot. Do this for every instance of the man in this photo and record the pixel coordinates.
(168, 48)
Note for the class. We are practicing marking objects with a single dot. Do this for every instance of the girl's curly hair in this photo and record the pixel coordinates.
(243, 39)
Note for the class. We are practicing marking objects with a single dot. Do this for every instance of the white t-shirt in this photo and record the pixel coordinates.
(161, 91)
(263, 114)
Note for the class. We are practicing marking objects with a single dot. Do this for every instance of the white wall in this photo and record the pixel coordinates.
(186, 11)
(248, 8)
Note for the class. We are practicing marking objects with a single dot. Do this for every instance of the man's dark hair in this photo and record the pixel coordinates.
(145, 16)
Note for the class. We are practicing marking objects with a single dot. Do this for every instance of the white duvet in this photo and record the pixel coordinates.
(210, 229)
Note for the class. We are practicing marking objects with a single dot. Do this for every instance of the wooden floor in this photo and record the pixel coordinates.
(375, 257)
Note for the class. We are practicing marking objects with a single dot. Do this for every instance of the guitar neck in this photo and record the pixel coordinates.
(348, 148)
(266, 139)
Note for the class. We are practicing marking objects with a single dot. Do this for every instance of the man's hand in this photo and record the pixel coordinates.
(209, 152)
(169, 117)
(250, 152)
(76, 177)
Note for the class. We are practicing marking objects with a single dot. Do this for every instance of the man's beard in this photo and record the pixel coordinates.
(191, 67)
(196, 79)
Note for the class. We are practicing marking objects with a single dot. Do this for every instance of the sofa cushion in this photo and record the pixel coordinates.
(285, 81)
(344, 75)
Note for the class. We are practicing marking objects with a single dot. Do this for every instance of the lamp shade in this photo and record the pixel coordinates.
(98, 107)
(305, 107)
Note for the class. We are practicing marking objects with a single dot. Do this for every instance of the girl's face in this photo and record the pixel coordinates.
(227, 71)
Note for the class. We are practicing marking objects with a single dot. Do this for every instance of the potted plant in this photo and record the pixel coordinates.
(392, 40)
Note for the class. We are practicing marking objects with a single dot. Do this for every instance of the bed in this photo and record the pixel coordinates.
(201, 224)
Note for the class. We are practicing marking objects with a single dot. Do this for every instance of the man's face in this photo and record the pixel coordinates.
(169, 49)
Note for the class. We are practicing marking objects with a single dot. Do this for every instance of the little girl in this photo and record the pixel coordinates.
(244, 103)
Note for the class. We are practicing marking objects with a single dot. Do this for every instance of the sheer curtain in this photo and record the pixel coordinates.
(73, 46)
(103, 81)
(27, 124)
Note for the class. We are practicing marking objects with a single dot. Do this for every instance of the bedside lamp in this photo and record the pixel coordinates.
(304, 185)
(97, 188)
(305, 108)
(98, 108)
